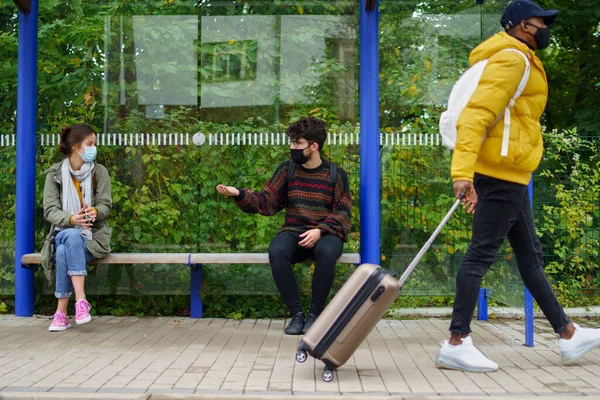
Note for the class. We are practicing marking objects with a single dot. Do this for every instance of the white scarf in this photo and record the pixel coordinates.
(70, 198)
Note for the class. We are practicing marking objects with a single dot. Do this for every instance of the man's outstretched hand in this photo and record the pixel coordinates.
(470, 199)
(228, 190)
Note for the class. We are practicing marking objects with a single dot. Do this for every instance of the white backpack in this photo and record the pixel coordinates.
(460, 95)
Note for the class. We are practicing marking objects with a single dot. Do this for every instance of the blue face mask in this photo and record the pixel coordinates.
(89, 154)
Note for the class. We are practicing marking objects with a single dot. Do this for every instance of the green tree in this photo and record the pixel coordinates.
(573, 67)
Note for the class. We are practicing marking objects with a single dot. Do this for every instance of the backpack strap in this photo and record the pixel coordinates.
(333, 172)
(511, 104)
(291, 170)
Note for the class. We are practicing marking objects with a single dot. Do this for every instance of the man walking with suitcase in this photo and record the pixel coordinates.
(316, 195)
(503, 208)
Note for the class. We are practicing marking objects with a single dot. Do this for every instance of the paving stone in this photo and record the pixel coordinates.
(119, 390)
(219, 392)
(267, 393)
(72, 390)
(317, 394)
(171, 391)
(139, 384)
(25, 389)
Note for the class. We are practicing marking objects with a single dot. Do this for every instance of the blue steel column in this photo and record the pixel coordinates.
(527, 297)
(369, 136)
(195, 289)
(482, 304)
(26, 143)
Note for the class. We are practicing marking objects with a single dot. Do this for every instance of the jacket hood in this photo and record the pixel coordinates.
(496, 43)
(53, 168)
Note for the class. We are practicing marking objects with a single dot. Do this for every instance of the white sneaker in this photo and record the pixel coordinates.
(582, 341)
(464, 357)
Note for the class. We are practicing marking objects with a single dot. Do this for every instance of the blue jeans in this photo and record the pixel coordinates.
(503, 211)
(72, 256)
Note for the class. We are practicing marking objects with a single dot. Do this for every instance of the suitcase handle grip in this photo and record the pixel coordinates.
(429, 242)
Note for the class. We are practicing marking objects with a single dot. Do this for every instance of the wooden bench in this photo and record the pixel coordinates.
(193, 260)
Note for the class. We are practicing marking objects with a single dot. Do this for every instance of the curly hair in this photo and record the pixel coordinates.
(71, 136)
(310, 128)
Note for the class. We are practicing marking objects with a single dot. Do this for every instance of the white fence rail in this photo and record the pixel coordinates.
(233, 139)
(8, 140)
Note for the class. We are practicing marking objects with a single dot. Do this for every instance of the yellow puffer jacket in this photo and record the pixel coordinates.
(496, 87)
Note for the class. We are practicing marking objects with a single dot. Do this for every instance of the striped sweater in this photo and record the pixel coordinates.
(312, 201)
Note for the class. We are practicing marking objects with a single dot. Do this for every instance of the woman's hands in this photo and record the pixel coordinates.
(84, 218)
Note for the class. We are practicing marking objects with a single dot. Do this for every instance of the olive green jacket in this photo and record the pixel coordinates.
(99, 246)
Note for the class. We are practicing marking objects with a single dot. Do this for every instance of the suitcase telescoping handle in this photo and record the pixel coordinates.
(427, 245)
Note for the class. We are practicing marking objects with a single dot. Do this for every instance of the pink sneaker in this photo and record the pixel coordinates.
(60, 322)
(82, 312)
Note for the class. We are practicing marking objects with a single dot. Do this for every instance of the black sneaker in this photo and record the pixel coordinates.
(310, 319)
(295, 325)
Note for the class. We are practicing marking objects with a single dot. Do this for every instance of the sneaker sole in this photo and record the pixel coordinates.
(84, 320)
(572, 358)
(441, 363)
(58, 328)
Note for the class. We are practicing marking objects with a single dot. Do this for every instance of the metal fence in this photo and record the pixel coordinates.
(416, 193)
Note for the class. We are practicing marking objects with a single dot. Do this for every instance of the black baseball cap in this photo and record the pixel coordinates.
(520, 10)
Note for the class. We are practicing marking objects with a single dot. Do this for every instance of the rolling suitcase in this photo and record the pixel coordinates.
(355, 310)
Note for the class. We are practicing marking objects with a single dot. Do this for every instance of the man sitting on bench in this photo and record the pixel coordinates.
(316, 196)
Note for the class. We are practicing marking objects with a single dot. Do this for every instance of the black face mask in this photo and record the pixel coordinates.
(541, 37)
(298, 155)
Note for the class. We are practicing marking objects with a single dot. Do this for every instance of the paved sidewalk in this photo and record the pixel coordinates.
(169, 358)
(493, 311)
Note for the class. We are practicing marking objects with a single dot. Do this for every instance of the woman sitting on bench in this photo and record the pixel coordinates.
(77, 201)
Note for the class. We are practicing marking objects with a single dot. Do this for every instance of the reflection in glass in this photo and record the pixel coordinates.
(166, 64)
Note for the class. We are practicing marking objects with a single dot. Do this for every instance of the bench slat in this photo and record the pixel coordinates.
(182, 258)
(230, 258)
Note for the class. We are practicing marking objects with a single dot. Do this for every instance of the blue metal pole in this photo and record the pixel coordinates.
(195, 289)
(369, 136)
(527, 297)
(25, 168)
(482, 304)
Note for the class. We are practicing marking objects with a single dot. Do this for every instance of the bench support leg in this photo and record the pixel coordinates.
(482, 304)
(195, 288)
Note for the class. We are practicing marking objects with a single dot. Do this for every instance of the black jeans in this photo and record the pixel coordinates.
(503, 211)
(284, 252)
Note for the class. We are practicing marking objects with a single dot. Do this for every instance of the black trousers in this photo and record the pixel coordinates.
(503, 211)
(284, 252)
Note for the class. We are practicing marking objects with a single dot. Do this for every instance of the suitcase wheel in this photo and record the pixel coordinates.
(301, 356)
(328, 375)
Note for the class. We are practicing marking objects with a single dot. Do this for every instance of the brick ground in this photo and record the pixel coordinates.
(179, 356)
